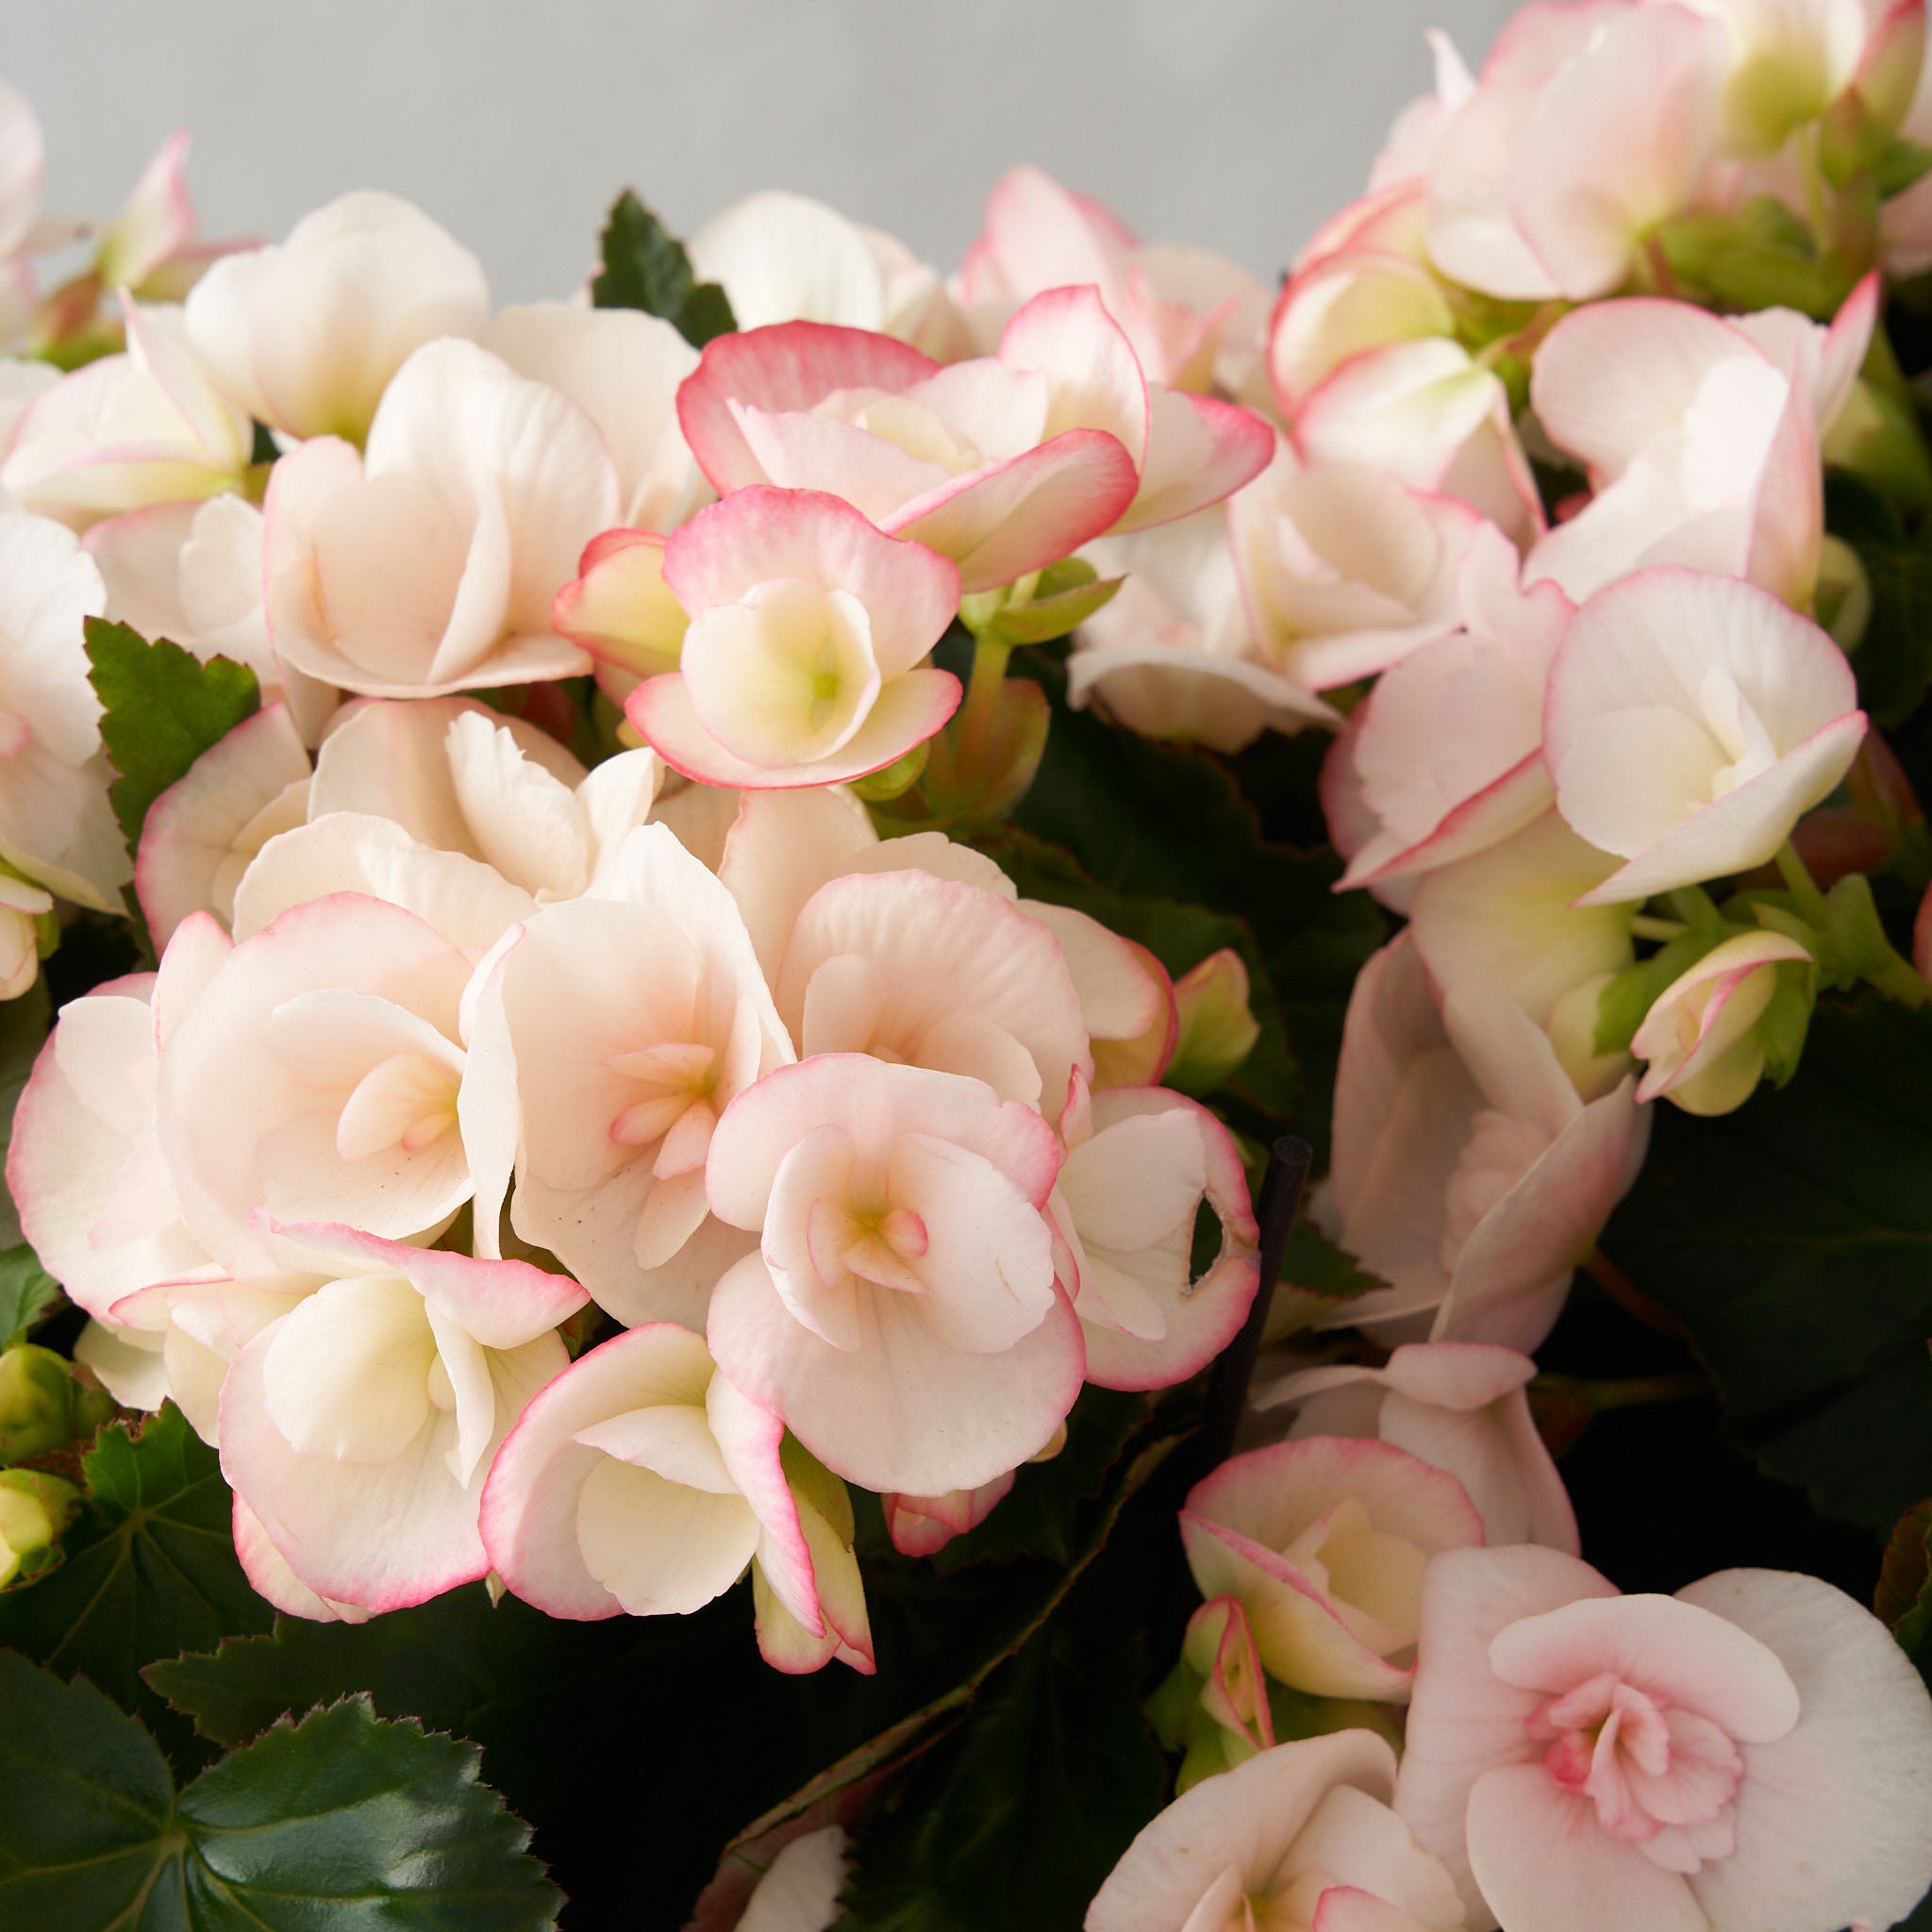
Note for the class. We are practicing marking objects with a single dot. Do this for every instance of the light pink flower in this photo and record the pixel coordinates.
(1700, 1035)
(902, 1313)
(429, 564)
(1140, 1163)
(605, 1040)
(1459, 1405)
(1590, 125)
(359, 1426)
(306, 335)
(1690, 722)
(83, 1167)
(1700, 437)
(1006, 463)
(144, 427)
(804, 659)
(1300, 1836)
(1190, 316)
(1446, 753)
(919, 1525)
(1467, 1173)
(641, 1482)
(316, 1078)
(1324, 1540)
(1751, 1754)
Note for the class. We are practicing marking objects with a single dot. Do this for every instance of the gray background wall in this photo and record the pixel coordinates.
(1236, 124)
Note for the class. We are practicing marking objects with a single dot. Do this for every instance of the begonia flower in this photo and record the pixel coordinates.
(900, 1314)
(200, 835)
(609, 1037)
(144, 427)
(84, 1167)
(1446, 753)
(1701, 1036)
(1461, 1406)
(1005, 463)
(1190, 316)
(316, 1078)
(1691, 721)
(1427, 414)
(804, 659)
(1324, 1542)
(640, 1482)
(56, 823)
(1700, 435)
(1176, 652)
(1343, 570)
(306, 335)
(1139, 1164)
(428, 563)
(1466, 1173)
(24, 909)
(359, 1426)
(1589, 126)
(621, 368)
(786, 257)
(1301, 1836)
(1748, 1755)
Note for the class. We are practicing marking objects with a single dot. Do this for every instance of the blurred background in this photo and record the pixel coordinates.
(1237, 124)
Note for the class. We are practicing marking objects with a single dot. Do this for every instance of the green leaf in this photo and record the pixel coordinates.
(1041, 619)
(1904, 1598)
(340, 1821)
(1793, 1241)
(162, 708)
(150, 1568)
(24, 1025)
(1013, 1825)
(27, 1292)
(646, 267)
(1893, 660)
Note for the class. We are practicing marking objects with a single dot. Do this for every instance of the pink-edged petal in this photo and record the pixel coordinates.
(907, 711)
(1067, 335)
(1542, 1858)
(269, 1574)
(1200, 451)
(754, 535)
(903, 1410)
(618, 608)
(1018, 516)
(790, 366)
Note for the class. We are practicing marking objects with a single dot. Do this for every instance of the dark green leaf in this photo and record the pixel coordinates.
(150, 1567)
(1893, 660)
(162, 708)
(646, 267)
(24, 1025)
(1793, 1241)
(340, 1821)
(27, 1292)
(1905, 1586)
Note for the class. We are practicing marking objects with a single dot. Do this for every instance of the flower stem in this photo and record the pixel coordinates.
(1897, 979)
(1802, 887)
(982, 700)
(1646, 928)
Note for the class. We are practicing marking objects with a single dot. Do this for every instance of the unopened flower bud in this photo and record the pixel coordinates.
(34, 1510)
(1218, 1029)
(1714, 1032)
(36, 1402)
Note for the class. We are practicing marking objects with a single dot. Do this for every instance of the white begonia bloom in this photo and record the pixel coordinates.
(191, 573)
(1700, 436)
(1690, 722)
(316, 1080)
(202, 834)
(306, 335)
(359, 1426)
(1297, 1837)
(84, 1166)
(142, 428)
(608, 1039)
(56, 823)
(1344, 570)
(1174, 653)
(621, 368)
(1786, 64)
(785, 258)
(430, 563)
(1700, 1036)
(1461, 1406)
